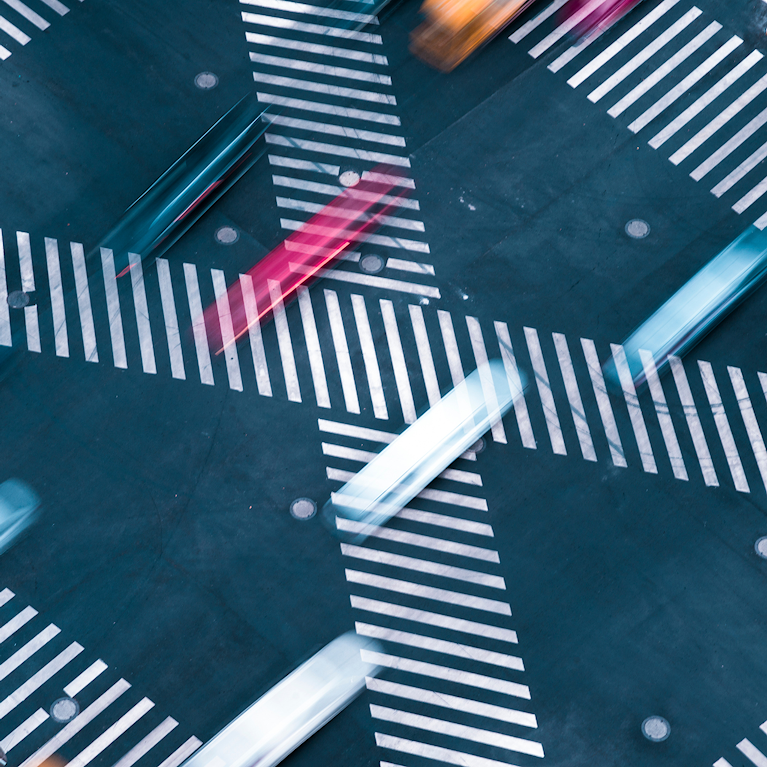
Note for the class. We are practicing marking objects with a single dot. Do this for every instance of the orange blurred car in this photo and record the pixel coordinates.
(455, 28)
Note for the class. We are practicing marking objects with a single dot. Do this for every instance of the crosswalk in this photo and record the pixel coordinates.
(649, 69)
(39, 667)
(756, 755)
(427, 587)
(19, 20)
(335, 115)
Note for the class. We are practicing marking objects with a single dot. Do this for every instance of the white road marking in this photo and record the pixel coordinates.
(393, 221)
(26, 651)
(693, 422)
(738, 173)
(313, 347)
(4, 53)
(343, 358)
(198, 324)
(488, 388)
(372, 281)
(339, 151)
(529, 26)
(57, 297)
(750, 422)
(723, 426)
(574, 397)
(6, 595)
(442, 520)
(544, 391)
(14, 624)
(142, 314)
(283, 341)
(371, 239)
(681, 88)
(333, 190)
(369, 357)
(424, 354)
(451, 346)
(359, 432)
(664, 70)
(664, 417)
(328, 109)
(322, 70)
(340, 91)
(312, 29)
(749, 750)
(574, 50)
(13, 31)
(436, 753)
(171, 319)
(60, 8)
(227, 331)
(182, 753)
(569, 23)
(113, 309)
(28, 286)
(316, 48)
(332, 129)
(27, 727)
(81, 681)
(33, 328)
(6, 338)
(456, 499)
(722, 763)
(515, 384)
(397, 357)
(254, 335)
(147, 743)
(28, 13)
(635, 409)
(313, 167)
(83, 302)
(410, 266)
(434, 619)
(287, 6)
(751, 197)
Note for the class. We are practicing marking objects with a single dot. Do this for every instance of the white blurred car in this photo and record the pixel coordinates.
(19, 505)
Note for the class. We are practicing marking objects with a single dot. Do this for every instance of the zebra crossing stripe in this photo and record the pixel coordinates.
(488, 388)
(749, 420)
(314, 10)
(28, 286)
(312, 29)
(26, 728)
(397, 357)
(451, 346)
(198, 324)
(148, 742)
(81, 681)
(428, 371)
(227, 331)
(515, 384)
(313, 348)
(5, 315)
(171, 320)
(182, 753)
(544, 391)
(343, 357)
(57, 298)
(369, 359)
(113, 309)
(84, 302)
(142, 314)
(284, 342)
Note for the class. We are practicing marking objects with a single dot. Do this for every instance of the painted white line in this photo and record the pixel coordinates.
(529, 26)
(6, 595)
(288, 6)
(664, 70)
(227, 331)
(27, 727)
(451, 346)
(434, 619)
(312, 29)
(15, 623)
(369, 357)
(750, 422)
(424, 354)
(373, 281)
(393, 221)
(359, 432)
(57, 297)
(488, 388)
(763, 727)
(468, 652)
(337, 151)
(428, 592)
(574, 397)
(442, 520)
(81, 681)
(182, 753)
(147, 743)
(398, 361)
(13, 31)
(722, 763)
(719, 121)
(171, 319)
(448, 674)
(751, 197)
(451, 702)
(749, 750)
(60, 8)
(423, 566)
(544, 391)
(723, 426)
(634, 409)
(297, 83)
(313, 347)
(681, 88)
(254, 334)
(693, 422)
(496, 739)
(28, 286)
(736, 175)
(198, 324)
(28, 13)
(33, 328)
(664, 417)
(422, 541)
(615, 48)
(4, 53)
(437, 753)
(327, 109)
(83, 302)
(333, 190)
(113, 309)
(20, 694)
(574, 50)
(142, 314)
(343, 358)
(283, 341)
(331, 129)
(26, 651)
(634, 63)
(411, 266)
(703, 101)
(515, 384)
(322, 70)
(313, 167)
(6, 338)
(569, 23)
(371, 239)
(456, 499)
(316, 48)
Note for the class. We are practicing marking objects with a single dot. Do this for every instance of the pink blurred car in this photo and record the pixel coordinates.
(595, 16)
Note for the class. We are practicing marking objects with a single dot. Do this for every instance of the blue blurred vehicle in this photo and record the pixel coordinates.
(19, 505)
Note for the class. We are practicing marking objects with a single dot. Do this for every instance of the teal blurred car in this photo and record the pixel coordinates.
(19, 506)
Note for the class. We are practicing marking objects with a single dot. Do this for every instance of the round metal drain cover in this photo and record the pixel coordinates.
(637, 228)
(64, 710)
(227, 235)
(761, 547)
(371, 264)
(349, 178)
(477, 447)
(18, 299)
(656, 728)
(205, 81)
(303, 508)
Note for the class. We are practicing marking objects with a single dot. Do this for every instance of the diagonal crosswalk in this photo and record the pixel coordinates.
(756, 753)
(111, 716)
(18, 22)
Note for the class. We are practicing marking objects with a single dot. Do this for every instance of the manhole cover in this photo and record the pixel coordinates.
(226, 235)
(64, 710)
(206, 80)
(637, 228)
(18, 299)
(371, 264)
(349, 178)
(761, 547)
(478, 446)
(656, 728)
(303, 508)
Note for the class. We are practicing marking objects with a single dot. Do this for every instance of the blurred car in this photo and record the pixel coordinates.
(455, 28)
(595, 16)
(293, 710)
(19, 505)
(423, 451)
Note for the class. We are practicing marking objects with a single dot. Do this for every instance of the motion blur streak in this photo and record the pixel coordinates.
(697, 306)
(293, 710)
(355, 213)
(595, 16)
(19, 505)
(424, 450)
